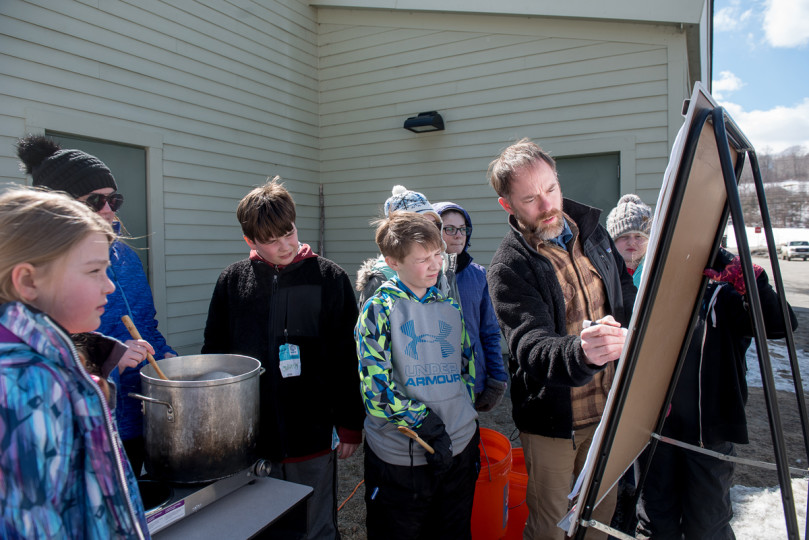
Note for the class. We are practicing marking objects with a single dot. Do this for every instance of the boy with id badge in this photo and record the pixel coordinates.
(293, 311)
(417, 372)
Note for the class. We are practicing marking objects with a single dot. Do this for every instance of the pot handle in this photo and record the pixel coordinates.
(261, 371)
(169, 412)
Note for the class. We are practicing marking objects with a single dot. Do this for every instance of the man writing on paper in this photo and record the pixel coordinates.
(555, 268)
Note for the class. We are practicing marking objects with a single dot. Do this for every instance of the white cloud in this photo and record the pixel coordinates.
(776, 129)
(725, 20)
(726, 84)
(785, 23)
(731, 18)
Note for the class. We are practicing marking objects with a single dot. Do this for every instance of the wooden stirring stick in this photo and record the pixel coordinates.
(136, 335)
(413, 435)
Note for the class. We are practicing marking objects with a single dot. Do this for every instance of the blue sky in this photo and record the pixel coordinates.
(761, 69)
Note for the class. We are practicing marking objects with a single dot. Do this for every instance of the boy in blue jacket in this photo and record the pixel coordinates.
(478, 313)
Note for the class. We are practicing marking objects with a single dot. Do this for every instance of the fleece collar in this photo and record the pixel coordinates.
(304, 252)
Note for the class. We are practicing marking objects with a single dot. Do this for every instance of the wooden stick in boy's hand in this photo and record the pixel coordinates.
(413, 435)
(136, 335)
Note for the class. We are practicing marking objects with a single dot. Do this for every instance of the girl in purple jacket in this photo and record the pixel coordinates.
(62, 471)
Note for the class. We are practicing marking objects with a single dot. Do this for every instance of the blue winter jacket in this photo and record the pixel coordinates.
(63, 473)
(479, 318)
(132, 297)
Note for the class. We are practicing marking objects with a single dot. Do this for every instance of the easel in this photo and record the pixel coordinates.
(728, 139)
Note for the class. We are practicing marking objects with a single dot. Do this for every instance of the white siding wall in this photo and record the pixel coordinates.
(222, 95)
(225, 93)
(574, 87)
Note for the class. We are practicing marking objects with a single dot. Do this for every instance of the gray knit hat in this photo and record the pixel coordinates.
(402, 199)
(631, 215)
(73, 171)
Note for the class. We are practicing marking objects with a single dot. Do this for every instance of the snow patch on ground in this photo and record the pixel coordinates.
(759, 512)
(782, 372)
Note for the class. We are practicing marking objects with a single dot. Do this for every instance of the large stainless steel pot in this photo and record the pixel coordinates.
(201, 424)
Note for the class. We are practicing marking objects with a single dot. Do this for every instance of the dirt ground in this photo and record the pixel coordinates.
(351, 516)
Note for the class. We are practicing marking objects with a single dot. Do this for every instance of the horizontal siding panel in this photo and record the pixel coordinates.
(336, 39)
(188, 323)
(652, 149)
(202, 246)
(189, 308)
(393, 60)
(212, 262)
(209, 176)
(453, 56)
(251, 161)
(128, 49)
(268, 152)
(531, 112)
(78, 101)
(433, 86)
(370, 49)
(189, 293)
(212, 232)
(204, 28)
(149, 105)
(246, 27)
(192, 277)
(651, 165)
(569, 88)
(536, 121)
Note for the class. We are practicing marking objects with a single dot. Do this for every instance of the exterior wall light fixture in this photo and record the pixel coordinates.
(424, 122)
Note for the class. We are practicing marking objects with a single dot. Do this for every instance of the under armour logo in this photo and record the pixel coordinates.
(444, 330)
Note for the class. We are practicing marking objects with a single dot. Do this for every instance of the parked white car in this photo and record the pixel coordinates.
(795, 249)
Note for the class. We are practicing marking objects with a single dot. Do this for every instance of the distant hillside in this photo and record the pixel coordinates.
(786, 186)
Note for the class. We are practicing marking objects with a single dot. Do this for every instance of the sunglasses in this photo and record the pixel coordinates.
(96, 201)
(452, 231)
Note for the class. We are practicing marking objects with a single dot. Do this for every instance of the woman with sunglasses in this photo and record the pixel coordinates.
(478, 313)
(89, 180)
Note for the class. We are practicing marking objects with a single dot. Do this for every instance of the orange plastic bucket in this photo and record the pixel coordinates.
(517, 486)
(490, 509)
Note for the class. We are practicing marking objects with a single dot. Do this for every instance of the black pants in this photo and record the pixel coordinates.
(687, 495)
(412, 503)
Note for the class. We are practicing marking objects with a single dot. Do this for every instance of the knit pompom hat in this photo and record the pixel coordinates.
(405, 200)
(72, 171)
(631, 215)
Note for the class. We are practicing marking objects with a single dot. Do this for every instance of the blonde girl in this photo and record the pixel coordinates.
(62, 474)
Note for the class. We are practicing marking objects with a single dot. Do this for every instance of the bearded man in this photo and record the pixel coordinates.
(555, 268)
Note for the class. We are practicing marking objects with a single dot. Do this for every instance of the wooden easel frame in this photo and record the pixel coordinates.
(713, 165)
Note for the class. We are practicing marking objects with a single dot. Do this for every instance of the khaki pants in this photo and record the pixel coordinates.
(553, 465)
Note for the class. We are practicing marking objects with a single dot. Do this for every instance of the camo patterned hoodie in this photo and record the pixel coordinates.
(62, 471)
(414, 354)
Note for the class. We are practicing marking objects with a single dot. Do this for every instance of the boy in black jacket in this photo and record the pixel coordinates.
(687, 494)
(294, 311)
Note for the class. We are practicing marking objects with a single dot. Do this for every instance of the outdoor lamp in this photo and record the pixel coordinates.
(426, 121)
